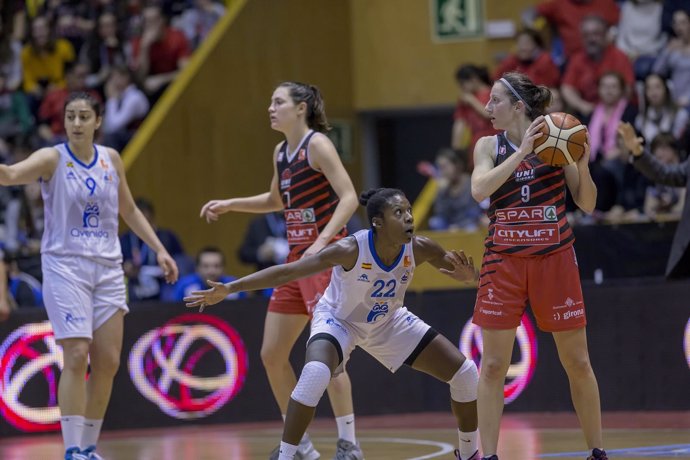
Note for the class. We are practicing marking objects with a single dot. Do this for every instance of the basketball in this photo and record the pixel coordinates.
(563, 142)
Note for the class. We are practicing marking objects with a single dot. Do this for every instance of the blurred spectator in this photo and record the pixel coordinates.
(264, 243)
(674, 60)
(659, 113)
(6, 306)
(145, 277)
(24, 220)
(670, 7)
(565, 16)
(663, 199)
(159, 53)
(103, 51)
(557, 102)
(51, 113)
(586, 67)
(16, 121)
(10, 61)
(72, 21)
(43, 60)
(24, 288)
(471, 120)
(210, 265)
(640, 35)
(531, 60)
(616, 182)
(454, 207)
(673, 175)
(125, 108)
(197, 22)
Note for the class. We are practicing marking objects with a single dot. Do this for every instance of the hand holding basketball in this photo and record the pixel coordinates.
(563, 141)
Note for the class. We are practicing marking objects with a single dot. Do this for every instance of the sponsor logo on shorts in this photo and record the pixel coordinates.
(569, 303)
(490, 312)
(526, 215)
(363, 277)
(574, 313)
(527, 234)
(332, 322)
(489, 300)
(70, 318)
(378, 311)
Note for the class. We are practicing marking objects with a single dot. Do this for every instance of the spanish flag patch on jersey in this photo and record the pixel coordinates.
(366, 265)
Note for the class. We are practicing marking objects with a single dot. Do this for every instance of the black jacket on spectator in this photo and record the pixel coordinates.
(676, 175)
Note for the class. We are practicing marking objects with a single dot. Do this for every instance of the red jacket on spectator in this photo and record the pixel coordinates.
(166, 53)
(566, 16)
(542, 70)
(583, 73)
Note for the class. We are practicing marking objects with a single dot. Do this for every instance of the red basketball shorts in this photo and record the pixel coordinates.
(550, 284)
(299, 297)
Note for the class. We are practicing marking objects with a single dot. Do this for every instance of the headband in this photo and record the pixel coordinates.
(512, 90)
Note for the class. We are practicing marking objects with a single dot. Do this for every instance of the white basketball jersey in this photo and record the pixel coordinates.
(371, 291)
(81, 208)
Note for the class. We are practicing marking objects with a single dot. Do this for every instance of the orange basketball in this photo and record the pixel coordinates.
(563, 142)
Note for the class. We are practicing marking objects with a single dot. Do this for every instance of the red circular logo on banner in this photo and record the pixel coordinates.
(164, 365)
(29, 356)
(521, 371)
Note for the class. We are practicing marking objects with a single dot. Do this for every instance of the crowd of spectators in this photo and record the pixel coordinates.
(124, 53)
(607, 62)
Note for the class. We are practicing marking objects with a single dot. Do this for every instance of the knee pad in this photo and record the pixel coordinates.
(312, 383)
(463, 385)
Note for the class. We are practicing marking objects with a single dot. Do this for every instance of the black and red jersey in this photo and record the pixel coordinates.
(308, 198)
(527, 213)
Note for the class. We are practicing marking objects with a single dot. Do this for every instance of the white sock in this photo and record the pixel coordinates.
(72, 427)
(287, 451)
(468, 443)
(346, 428)
(92, 430)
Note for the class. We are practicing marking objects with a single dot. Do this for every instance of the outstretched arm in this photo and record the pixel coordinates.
(343, 252)
(40, 164)
(452, 263)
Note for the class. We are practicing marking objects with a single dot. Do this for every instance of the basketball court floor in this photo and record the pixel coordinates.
(628, 435)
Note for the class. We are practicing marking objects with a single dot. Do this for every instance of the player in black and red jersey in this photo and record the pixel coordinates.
(311, 185)
(529, 255)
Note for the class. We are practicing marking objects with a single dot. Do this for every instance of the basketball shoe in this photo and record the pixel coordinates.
(598, 454)
(475, 456)
(91, 454)
(345, 450)
(305, 451)
(493, 457)
(73, 453)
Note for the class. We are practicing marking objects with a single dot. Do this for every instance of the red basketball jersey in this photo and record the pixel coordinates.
(527, 213)
(308, 199)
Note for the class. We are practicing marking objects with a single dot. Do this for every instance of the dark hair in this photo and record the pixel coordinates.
(84, 96)
(537, 97)
(665, 139)
(595, 18)
(311, 96)
(468, 71)
(376, 199)
(611, 73)
(50, 46)
(534, 35)
(669, 103)
(210, 250)
(457, 157)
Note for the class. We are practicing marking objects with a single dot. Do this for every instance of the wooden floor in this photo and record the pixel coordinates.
(658, 435)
